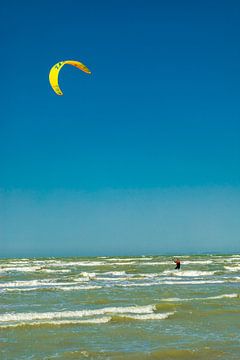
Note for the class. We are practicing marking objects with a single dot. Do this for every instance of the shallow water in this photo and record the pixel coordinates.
(120, 308)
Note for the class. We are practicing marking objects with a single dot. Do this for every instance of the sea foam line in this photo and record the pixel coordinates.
(147, 309)
(100, 320)
(19, 269)
(174, 282)
(188, 273)
(34, 283)
(152, 316)
(55, 288)
(202, 298)
(232, 268)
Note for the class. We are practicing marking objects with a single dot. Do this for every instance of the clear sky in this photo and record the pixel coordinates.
(143, 156)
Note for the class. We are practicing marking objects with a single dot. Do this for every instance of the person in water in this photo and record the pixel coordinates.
(178, 263)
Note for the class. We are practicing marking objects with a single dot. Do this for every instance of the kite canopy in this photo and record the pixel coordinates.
(53, 74)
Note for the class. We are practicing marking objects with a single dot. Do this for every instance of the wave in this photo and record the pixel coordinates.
(130, 259)
(147, 276)
(138, 284)
(187, 262)
(44, 283)
(19, 269)
(52, 287)
(75, 288)
(189, 273)
(28, 283)
(88, 316)
(153, 316)
(155, 263)
(113, 279)
(101, 282)
(176, 282)
(193, 282)
(60, 288)
(33, 269)
(222, 296)
(80, 263)
(121, 259)
(87, 275)
(232, 259)
(232, 268)
(147, 309)
(205, 262)
(52, 271)
(19, 262)
(115, 273)
(100, 320)
(122, 263)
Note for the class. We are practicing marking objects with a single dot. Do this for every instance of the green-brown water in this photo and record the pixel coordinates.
(120, 308)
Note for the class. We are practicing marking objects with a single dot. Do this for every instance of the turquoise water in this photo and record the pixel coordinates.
(120, 308)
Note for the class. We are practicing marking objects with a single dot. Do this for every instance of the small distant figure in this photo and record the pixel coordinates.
(178, 263)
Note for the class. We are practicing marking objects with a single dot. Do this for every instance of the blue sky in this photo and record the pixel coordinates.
(159, 114)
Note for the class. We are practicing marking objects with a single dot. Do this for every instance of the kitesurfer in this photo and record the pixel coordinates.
(178, 263)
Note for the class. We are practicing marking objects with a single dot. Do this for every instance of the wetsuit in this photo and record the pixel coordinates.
(177, 264)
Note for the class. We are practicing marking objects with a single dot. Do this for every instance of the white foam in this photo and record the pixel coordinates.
(78, 263)
(54, 286)
(232, 259)
(20, 269)
(121, 259)
(192, 282)
(32, 316)
(18, 262)
(34, 283)
(115, 273)
(203, 298)
(26, 283)
(81, 279)
(148, 276)
(223, 296)
(156, 263)
(174, 299)
(113, 279)
(55, 270)
(188, 273)
(197, 262)
(101, 320)
(130, 259)
(232, 268)
(21, 289)
(173, 282)
(138, 284)
(75, 288)
(122, 263)
(187, 262)
(151, 316)
(88, 275)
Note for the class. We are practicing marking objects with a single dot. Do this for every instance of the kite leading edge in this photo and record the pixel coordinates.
(54, 72)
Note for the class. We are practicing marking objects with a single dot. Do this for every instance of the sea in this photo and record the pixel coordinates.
(135, 307)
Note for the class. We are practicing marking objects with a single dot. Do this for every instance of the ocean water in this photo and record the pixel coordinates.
(120, 308)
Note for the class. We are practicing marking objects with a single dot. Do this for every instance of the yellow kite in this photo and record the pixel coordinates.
(53, 74)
